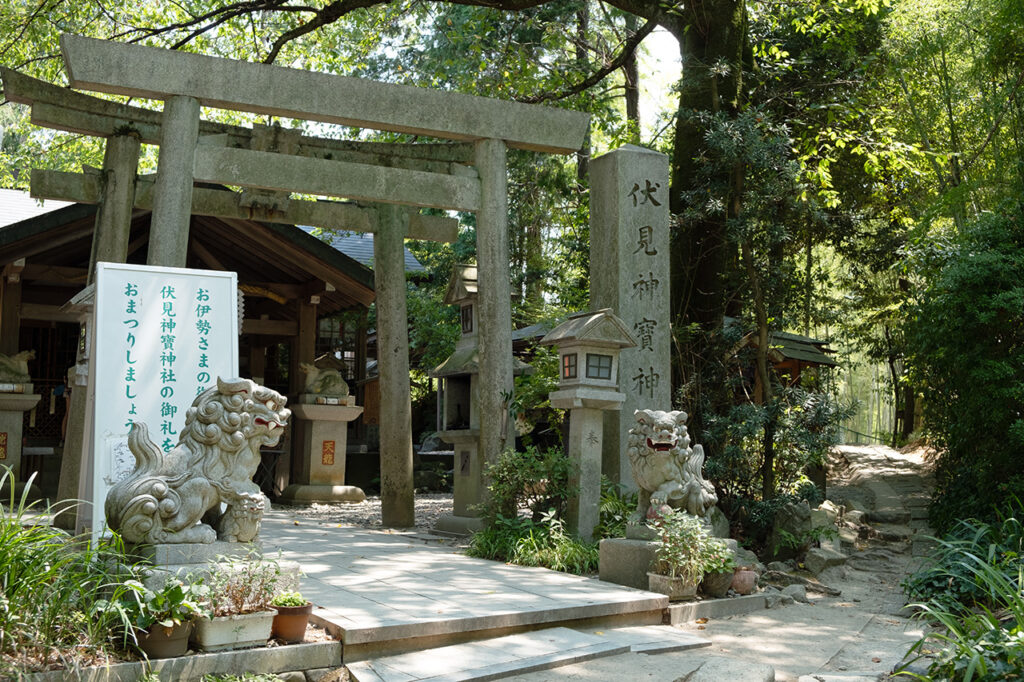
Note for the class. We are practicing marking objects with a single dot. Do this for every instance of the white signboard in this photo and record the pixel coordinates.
(162, 337)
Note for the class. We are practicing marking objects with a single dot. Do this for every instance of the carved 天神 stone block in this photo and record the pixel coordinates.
(175, 496)
(666, 469)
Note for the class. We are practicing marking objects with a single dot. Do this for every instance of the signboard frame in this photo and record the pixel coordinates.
(145, 320)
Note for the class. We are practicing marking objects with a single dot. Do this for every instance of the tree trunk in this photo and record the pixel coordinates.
(631, 75)
(582, 26)
(713, 33)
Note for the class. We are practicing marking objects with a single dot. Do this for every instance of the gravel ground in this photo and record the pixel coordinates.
(429, 508)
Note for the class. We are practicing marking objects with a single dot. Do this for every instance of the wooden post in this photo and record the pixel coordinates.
(495, 304)
(398, 508)
(258, 363)
(10, 306)
(172, 200)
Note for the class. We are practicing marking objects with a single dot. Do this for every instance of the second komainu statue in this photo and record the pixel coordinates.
(666, 469)
(176, 496)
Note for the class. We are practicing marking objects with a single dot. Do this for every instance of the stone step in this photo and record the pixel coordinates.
(893, 516)
(521, 653)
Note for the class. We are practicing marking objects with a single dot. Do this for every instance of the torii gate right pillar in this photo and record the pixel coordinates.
(495, 302)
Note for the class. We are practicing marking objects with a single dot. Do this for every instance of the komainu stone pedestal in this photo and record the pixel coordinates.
(625, 561)
(194, 560)
(324, 429)
(13, 407)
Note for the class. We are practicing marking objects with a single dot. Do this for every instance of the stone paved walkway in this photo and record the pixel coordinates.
(416, 590)
(384, 591)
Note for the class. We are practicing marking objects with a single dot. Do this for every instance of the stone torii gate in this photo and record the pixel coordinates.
(384, 179)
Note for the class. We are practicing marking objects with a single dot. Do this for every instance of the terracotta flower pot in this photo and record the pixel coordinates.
(677, 589)
(290, 623)
(717, 585)
(160, 641)
(744, 581)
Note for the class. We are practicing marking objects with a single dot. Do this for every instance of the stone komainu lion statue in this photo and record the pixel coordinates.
(175, 497)
(14, 368)
(326, 381)
(666, 469)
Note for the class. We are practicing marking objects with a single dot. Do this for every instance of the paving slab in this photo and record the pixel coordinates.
(654, 639)
(383, 592)
(490, 659)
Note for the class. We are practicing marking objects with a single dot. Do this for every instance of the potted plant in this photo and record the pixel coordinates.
(162, 619)
(719, 566)
(679, 564)
(239, 600)
(292, 617)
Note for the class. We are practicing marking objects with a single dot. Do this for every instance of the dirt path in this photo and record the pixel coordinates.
(865, 631)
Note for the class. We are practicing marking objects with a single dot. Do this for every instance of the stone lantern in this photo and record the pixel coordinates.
(588, 359)
(459, 405)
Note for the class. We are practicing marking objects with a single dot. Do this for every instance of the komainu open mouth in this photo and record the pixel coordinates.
(661, 446)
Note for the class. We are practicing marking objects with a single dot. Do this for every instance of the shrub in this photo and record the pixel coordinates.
(806, 426)
(533, 479)
(617, 503)
(245, 585)
(521, 540)
(966, 347)
(974, 641)
(52, 589)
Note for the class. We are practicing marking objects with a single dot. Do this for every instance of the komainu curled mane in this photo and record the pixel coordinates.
(666, 469)
(175, 496)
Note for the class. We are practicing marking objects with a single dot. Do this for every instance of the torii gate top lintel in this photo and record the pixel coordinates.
(155, 73)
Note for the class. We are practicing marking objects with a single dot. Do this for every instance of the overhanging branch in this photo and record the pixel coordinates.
(628, 48)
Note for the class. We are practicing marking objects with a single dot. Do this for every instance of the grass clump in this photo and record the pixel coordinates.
(525, 509)
(52, 589)
(971, 595)
(521, 540)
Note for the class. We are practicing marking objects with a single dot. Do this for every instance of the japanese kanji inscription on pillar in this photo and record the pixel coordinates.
(629, 273)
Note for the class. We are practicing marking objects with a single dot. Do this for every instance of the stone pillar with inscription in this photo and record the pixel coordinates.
(629, 271)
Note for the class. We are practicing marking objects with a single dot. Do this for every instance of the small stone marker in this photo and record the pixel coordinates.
(629, 266)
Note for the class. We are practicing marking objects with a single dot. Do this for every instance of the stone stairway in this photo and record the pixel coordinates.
(522, 653)
(900, 485)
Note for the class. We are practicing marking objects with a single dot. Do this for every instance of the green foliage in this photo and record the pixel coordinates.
(242, 585)
(289, 599)
(806, 426)
(52, 590)
(175, 603)
(532, 479)
(718, 558)
(548, 544)
(967, 345)
(948, 575)
(617, 503)
(978, 619)
(683, 547)
(521, 540)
